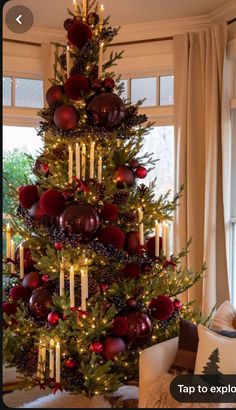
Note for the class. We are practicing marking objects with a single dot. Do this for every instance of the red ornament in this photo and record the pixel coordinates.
(132, 270)
(80, 219)
(108, 83)
(167, 264)
(45, 278)
(79, 33)
(52, 202)
(120, 326)
(32, 280)
(28, 195)
(70, 364)
(82, 314)
(103, 287)
(105, 110)
(96, 347)
(19, 292)
(40, 303)
(9, 308)
(133, 163)
(36, 212)
(124, 177)
(132, 242)
(66, 117)
(177, 304)
(141, 172)
(58, 246)
(68, 23)
(109, 212)
(139, 328)
(53, 318)
(112, 346)
(55, 94)
(41, 167)
(112, 235)
(161, 307)
(76, 86)
(150, 245)
(28, 260)
(96, 84)
(131, 303)
(92, 19)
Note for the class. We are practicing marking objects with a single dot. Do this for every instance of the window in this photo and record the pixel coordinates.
(22, 92)
(7, 91)
(167, 90)
(144, 88)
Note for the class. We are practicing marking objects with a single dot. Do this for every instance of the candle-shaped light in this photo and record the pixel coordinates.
(12, 256)
(167, 242)
(156, 239)
(141, 231)
(100, 57)
(72, 286)
(22, 265)
(101, 14)
(58, 363)
(77, 160)
(68, 61)
(84, 8)
(83, 290)
(62, 278)
(70, 165)
(39, 366)
(164, 238)
(41, 361)
(75, 5)
(51, 359)
(8, 241)
(100, 170)
(83, 162)
(91, 164)
(86, 277)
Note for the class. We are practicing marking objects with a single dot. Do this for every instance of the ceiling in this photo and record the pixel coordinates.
(52, 13)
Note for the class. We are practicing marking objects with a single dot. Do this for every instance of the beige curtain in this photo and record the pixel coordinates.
(198, 70)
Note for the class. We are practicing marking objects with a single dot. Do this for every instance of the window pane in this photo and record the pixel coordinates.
(144, 88)
(124, 94)
(7, 91)
(167, 90)
(29, 93)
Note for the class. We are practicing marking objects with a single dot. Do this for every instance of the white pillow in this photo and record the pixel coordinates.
(210, 341)
(225, 317)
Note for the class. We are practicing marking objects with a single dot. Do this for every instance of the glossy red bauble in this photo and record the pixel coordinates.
(132, 270)
(132, 242)
(161, 307)
(96, 347)
(139, 328)
(92, 19)
(109, 212)
(120, 326)
(141, 172)
(40, 303)
(151, 246)
(32, 280)
(36, 212)
(112, 346)
(112, 235)
(41, 167)
(96, 84)
(79, 33)
(19, 292)
(53, 318)
(28, 195)
(70, 364)
(80, 219)
(77, 86)
(108, 83)
(58, 246)
(45, 278)
(52, 202)
(133, 163)
(66, 117)
(28, 260)
(68, 23)
(105, 110)
(124, 177)
(177, 304)
(55, 94)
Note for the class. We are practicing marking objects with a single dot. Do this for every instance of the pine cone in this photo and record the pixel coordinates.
(121, 197)
(128, 217)
(93, 286)
(142, 190)
(101, 188)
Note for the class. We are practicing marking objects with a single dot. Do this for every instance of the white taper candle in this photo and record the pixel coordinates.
(58, 363)
(12, 256)
(167, 242)
(22, 265)
(51, 359)
(84, 8)
(100, 170)
(68, 62)
(72, 286)
(75, 5)
(62, 278)
(77, 160)
(8, 241)
(141, 230)
(100, 57)
(83, 162)
(91, 164)
(83, 290)
(156, 239)
(101, 14)
(70, 164)
(164, 238)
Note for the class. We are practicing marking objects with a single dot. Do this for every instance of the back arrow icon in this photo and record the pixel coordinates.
(18, 19)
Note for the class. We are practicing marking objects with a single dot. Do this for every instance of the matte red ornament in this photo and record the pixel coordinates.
(92, 19)
(41, 167)
(70, 364)
(66, 117)
(55, 94)
(40, 303)
(108, 83)
(132, 270)
(53, 318)
(80, 219)
(109, 212)
(124, 177)
(112, 346)
(161, 307)
(150, 245)
(28, 195)
(9, 308)
(133, 163)
(96, 347)
(141, 172)
(120, 326)
(105, 110)
(36, 212)
(68, 23)
(19, 292)
(177, 304)
(139, 328)
(52, 202)
(79, 33)
(96, 84)
(112, 235)
(132, 242)
(131, 303)
(58, 246)
(32, 280)
(28, 260)
(77, 86)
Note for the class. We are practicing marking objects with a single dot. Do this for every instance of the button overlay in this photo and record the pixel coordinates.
(19, 19)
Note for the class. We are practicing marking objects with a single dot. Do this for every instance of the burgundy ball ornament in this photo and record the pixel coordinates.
(41, 167)
(177, 304)
(28, 260)
(112, 346)
(55, 94)
(96, 347)
(109, 212)
(105, 110)
(112, 235)
(139, 328)
(80, 219)
(68, 23)
(40, 303)
(96, 84)
(131, 303)
(45, 278)
(9, 308)
(28, 195)
(66, 117)
(124, 177)
(52, 202)
(134, 163)
(79, 33)
(151, 246)
(32, 280)
(19, 292)
(53, 318)
(76, 86)
(58, 246)
(70, 364)
(120, 326)
(92, 19)
(108, 83)
(161, 307)
(132, 242)
(141, 172)
(132, 270)
(36, 212)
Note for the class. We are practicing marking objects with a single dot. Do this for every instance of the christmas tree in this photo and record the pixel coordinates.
(92, 281)
(212, 366)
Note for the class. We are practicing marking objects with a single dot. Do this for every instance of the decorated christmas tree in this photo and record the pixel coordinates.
(93, 280)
